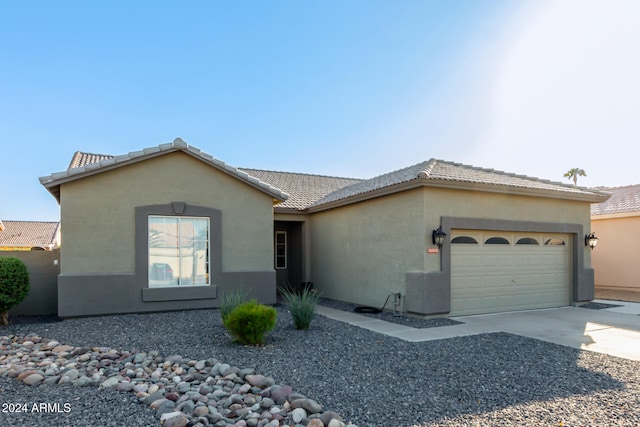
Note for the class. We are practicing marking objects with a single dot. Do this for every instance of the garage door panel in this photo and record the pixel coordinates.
(489, 278)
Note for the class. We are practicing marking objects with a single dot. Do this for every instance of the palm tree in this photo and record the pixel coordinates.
(574, 173)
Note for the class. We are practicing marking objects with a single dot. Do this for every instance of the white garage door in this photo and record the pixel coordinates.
(498, 271)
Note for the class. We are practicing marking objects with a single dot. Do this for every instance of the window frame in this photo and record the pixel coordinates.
(177, 276)
(276, 244)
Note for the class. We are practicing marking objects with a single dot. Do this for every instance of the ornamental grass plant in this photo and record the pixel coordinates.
(302, 305)
(230, 300)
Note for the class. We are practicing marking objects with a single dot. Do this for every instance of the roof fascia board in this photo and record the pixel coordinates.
(292, 211)
(458, 185)
(290, 216)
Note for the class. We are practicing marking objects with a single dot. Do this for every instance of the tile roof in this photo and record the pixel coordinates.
(442, 173)
(623, 199)
(89, 164)
(317, 192)
(29, 234)
(303, 189)
(81, 159)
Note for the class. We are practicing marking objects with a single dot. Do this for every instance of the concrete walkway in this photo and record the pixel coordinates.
(613, 331)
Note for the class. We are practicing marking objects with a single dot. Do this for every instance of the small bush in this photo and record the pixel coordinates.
(14, 285)
(302, 306)
(249, 321)
(230, 300)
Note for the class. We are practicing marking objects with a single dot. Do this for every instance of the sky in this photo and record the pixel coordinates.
(353, 88)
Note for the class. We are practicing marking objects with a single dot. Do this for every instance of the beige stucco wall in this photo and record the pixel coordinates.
(615, 259)
(97, 213)
(361, 252)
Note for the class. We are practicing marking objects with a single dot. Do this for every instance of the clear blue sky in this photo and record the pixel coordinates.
(350, 88)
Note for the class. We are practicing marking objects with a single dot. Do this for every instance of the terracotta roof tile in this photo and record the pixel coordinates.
(438, 171)
(303, 189)
(81, 159)
(29, 234)
(623, 199)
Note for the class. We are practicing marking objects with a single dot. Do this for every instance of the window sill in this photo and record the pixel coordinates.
(176, 293)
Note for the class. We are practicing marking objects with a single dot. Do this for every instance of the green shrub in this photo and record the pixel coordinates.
(14, 285)
(249, 321)
(230, 300)
(302, 305)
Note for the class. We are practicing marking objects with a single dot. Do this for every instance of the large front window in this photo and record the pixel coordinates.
(178, 251)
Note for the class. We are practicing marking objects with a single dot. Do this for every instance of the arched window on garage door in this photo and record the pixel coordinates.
(464, 239)
(527, 241)
(554, 242)
(496, 241)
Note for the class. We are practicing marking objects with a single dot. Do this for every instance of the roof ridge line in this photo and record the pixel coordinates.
(424, 174)
(302, 173)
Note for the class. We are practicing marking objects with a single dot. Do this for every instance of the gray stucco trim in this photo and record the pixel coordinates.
(96, 294)
(105, 293)
(178, 293)
(427, 292)
(177, 209)
(430, 292)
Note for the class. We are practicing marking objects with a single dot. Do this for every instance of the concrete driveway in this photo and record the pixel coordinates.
(613, 331)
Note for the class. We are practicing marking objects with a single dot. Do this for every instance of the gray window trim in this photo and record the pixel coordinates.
(142, 251)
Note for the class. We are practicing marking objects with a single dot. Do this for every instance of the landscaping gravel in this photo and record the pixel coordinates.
(368, 378)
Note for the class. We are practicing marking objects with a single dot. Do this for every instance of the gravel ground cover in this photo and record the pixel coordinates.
(369, 379)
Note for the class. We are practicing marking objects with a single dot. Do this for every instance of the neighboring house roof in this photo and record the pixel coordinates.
(623, 200)
(102, 163)
(304, 190)
(29, 234)
(440, 173)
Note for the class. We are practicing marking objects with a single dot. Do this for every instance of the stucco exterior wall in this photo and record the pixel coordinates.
(98, 217)
(361, 252)
(615, 259)
(104, 254)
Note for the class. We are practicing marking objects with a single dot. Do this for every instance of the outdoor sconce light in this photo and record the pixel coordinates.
(438, 236)
(591, 240)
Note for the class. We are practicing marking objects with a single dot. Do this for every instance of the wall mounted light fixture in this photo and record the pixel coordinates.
(591, 240)
(438, 236)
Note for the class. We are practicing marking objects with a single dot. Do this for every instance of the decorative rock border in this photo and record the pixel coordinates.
(183, 393)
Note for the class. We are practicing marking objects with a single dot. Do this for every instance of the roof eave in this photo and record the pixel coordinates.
(295, 211)
(54, 181)
(591, 197)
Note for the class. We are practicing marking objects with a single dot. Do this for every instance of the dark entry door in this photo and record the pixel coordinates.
(287, 241)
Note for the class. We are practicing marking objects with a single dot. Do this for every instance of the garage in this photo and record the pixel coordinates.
(496, 271)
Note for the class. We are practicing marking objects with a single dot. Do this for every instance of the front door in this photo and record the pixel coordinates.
(287, 253)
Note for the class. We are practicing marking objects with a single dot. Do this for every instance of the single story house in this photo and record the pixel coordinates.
(171, 227)
(29, 235)
(617, 224)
